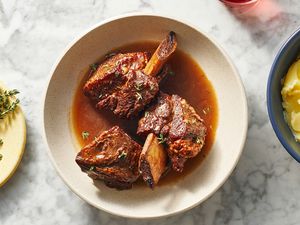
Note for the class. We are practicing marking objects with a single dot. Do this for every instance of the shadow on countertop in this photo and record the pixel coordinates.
(268, 24)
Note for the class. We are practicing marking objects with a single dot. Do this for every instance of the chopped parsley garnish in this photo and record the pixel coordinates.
(139, 96)
(161, 139)
(94, 67)
(85, 135)
(206, 110)
(1, 141)
(151, 87)
(138, 87)
(171, 73)
(122, 155)
(1, 157)
(91, 168)
(109, 55)
(117, 74)
(198, 140)
(146, 114)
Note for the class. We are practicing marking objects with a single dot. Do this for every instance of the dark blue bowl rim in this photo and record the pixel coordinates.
(285, 144)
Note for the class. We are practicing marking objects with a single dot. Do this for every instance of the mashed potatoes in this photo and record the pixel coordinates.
(291, 98)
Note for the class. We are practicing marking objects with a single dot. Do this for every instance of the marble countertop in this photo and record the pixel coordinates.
(264, 189)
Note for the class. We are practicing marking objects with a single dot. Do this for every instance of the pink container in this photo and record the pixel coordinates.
(240, 5)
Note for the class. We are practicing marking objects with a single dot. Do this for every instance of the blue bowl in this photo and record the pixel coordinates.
(284, 59)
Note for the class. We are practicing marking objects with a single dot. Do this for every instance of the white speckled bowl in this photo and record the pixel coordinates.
(165, 200)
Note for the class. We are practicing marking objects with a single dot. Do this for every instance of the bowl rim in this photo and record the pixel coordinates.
(271, 78)
(159, 15)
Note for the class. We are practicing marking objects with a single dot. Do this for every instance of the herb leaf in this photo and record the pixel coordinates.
(117, 74)
(161, 139)
(94, 67)
(139, 96)
(11, 92)
(122, 155)
(109, 55)
(7, 103)
(151, 87)
(138, 86)
(198, 140)
(85, 135)
(171, 73)
(206, 110)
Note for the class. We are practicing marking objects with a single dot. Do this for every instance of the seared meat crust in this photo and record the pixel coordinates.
(120, 85)
(112, 157)
(177, 124)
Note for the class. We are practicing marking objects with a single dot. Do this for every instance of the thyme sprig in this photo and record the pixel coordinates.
(7, 102)
(13, 92)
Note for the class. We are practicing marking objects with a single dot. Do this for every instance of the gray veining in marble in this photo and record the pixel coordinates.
(264, 188)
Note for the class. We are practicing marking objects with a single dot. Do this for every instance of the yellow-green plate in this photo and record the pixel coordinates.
(13, 133)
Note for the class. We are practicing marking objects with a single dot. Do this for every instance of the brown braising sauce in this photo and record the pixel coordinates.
(187, 80)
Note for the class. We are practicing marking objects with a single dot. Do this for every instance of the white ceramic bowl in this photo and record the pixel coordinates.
(165, 200)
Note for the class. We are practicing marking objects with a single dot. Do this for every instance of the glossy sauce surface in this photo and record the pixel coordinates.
(187, 80)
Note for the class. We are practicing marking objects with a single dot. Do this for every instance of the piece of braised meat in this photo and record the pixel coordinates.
(120, 85)
(110, 76)
(176, 124)
(126, 83)
(137, 92)
(112, 157)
